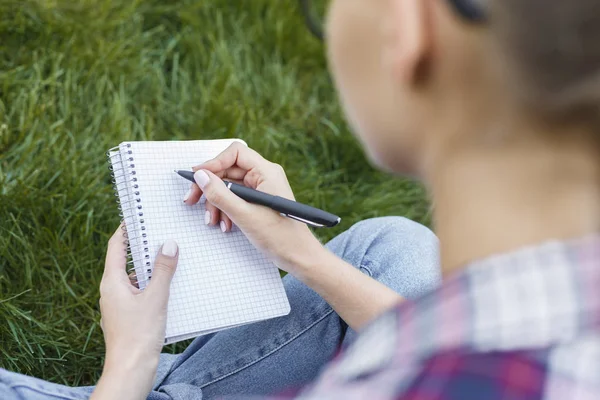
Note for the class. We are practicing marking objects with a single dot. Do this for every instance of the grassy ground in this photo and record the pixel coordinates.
(80, 76)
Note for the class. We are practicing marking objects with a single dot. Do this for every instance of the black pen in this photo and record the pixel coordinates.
(288, 208)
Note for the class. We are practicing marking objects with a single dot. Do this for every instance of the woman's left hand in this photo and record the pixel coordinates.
(133, 322)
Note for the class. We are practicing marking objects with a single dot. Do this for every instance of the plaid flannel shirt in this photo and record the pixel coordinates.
(524, 325)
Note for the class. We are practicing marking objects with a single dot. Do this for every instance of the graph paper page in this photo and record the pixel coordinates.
(221, 279)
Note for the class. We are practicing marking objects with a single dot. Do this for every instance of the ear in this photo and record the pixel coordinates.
(409, 40)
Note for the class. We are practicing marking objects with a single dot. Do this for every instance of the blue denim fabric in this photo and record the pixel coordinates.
(286, 352)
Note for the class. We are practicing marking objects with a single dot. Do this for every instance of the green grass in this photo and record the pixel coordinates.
(80, 76)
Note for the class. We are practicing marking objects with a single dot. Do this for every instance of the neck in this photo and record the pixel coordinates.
(491, 199)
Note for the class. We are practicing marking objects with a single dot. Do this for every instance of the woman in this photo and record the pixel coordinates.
(499, 117)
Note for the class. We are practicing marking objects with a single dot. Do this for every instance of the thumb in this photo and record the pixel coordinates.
(164, 269)
(219, 195)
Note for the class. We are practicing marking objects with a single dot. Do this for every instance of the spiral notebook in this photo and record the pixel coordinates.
(221, 281)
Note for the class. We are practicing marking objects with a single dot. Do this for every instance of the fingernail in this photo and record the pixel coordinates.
(169, 248)
(187, 195)
(201, 178)
(207, 217)
(223, 227)
(202, 199)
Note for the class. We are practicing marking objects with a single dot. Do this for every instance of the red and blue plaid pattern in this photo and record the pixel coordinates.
(455, 375)
(524, 325)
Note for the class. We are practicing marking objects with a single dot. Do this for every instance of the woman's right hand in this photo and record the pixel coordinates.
(290, 244)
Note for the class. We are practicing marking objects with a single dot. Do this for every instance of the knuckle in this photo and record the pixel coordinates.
(163, 265)
(101, 305)
(220, 164)
(255, 175)
(278, 168)
(105, 291)
(102, 288)
(236, 146)
(107, 288)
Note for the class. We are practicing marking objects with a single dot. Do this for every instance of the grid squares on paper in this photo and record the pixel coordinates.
(221, 280)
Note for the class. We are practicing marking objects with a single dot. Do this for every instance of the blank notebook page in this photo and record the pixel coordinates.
(221, 279)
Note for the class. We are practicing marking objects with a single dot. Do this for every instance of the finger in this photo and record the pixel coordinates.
(193, 195)
(163, 271)
(203, 197)
(217, 217)
(218, 195)
(233, 173)
(225, 224)
(212, 215)
(237, 154)
(270, 179)
(116, 256)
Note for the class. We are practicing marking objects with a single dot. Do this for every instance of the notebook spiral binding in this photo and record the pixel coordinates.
(123, 174)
